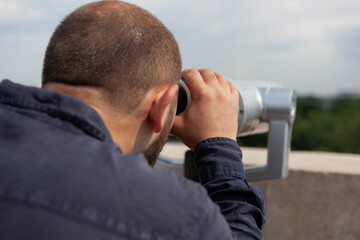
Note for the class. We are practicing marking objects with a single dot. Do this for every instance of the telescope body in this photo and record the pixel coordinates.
(261, 109)
(257, 105)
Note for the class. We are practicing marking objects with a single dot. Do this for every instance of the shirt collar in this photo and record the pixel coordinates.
(57, 105)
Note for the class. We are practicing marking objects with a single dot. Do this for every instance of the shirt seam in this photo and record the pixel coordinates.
(45, 122)
(79, 123)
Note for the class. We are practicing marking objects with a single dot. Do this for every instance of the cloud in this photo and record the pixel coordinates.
(12, 10)
(309, 45)
(292, 43)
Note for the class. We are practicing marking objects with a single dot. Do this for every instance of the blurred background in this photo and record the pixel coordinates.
(312, 46)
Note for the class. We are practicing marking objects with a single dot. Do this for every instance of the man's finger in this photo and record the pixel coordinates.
(193, 80)
(209, 77)
(223, 81)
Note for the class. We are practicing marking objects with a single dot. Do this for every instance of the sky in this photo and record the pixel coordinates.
(311, 46)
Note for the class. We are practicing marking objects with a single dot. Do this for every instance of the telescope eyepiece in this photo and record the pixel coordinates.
(184, 98)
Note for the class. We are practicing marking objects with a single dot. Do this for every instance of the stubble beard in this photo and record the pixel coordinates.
(153, 150)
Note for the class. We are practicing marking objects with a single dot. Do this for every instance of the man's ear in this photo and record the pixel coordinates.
(159, 105)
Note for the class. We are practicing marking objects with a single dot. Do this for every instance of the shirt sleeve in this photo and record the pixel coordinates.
(221, 172)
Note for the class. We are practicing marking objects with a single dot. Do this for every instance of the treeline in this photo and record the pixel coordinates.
(322, 124)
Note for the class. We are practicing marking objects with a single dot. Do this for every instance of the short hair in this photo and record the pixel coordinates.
(116, 46)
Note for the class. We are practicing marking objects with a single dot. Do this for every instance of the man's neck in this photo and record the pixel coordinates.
(122, 128)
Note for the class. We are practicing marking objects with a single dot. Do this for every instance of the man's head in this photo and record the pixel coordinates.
(123, 53)
(115, 46)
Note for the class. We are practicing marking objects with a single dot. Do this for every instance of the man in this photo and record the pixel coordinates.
(71, 162)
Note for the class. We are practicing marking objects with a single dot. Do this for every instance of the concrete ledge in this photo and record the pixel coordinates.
(322, 162)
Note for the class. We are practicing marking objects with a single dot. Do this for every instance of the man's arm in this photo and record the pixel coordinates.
(222, 174)
(209, 126)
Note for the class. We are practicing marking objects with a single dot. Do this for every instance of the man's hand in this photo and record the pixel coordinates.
(213, 111)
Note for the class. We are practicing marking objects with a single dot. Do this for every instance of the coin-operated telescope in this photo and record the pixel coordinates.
(261, 110)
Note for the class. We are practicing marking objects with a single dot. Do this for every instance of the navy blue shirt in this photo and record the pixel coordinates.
(63, 177)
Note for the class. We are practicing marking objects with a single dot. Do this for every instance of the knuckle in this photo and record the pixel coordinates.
(219, 75)
(208, 74)
(231, 84)
(203, 92)
(204, 70)
(190, 72)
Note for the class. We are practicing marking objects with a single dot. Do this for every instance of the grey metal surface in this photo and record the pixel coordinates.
(261, 110)
(278, 113)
